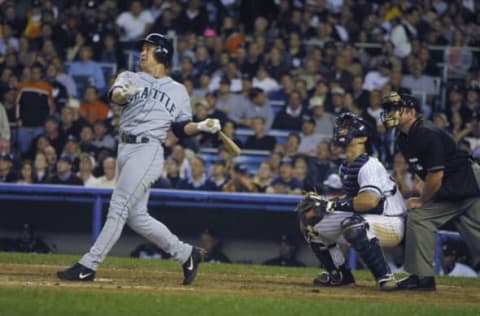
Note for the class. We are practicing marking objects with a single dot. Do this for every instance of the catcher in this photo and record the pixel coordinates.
(369, 215)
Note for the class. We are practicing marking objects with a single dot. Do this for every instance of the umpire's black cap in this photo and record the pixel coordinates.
(163, 47)
(395, 99)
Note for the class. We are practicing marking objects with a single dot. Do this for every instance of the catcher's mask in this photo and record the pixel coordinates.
(347, 127)
(163, 47)
(392, 108)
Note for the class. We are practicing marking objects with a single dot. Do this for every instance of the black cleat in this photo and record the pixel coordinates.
(413, 282)
(77, 272)
(334, 278)
(190, 267)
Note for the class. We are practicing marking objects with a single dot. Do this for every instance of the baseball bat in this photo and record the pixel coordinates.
(230, 145)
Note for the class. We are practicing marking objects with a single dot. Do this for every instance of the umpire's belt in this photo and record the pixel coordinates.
(133, 139)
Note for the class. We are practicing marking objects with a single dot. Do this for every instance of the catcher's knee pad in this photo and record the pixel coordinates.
(355, 232)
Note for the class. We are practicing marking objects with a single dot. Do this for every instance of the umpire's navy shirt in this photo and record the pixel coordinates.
(428, 148)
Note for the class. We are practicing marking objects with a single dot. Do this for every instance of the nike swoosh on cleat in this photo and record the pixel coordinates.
(190, 267)
(82, 276)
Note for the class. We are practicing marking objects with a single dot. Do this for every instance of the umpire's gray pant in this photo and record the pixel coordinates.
(423, 223)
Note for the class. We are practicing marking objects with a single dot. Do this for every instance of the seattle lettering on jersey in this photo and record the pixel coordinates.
(156, 95)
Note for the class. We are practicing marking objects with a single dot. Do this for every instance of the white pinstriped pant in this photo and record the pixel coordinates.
(389, 230)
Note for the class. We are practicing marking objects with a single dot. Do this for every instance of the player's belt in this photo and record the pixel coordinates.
(133, 139)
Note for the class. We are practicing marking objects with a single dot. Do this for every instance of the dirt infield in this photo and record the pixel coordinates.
(265, 286)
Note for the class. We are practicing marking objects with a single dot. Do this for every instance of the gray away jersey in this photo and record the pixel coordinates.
(373, 177)
(152, 111)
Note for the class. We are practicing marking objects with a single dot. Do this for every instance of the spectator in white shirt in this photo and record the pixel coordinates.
(108, 178)
(87, 163)
(134, 24)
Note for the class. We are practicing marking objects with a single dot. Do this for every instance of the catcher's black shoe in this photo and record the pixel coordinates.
(387, 283)
(77, 272)
(190, 266)
(334, 278)
(415, 283)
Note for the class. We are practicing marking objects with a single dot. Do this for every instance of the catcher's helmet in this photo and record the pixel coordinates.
(349, 126)
(392, 105)
(163, 47)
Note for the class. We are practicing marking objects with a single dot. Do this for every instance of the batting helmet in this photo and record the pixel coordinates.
(163, 47)
(354, 125)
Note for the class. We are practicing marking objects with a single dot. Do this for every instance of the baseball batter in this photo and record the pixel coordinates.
(152, 104)
(370, 215)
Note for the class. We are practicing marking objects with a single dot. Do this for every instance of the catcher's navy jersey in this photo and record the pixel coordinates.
(152, 111)
(368, 174)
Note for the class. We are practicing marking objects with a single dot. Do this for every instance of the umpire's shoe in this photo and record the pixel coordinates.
(190, 267)
(334, 278)
(415, 283)
(77, 272)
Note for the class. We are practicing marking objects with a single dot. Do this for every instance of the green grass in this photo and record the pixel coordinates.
(29, 300)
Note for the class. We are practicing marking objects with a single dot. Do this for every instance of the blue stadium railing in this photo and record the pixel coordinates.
(173, 198)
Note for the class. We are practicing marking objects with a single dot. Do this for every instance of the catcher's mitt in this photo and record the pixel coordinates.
(311, 210)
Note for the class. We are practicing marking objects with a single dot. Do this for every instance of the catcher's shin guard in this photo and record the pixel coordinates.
(337, 272)
(355, 232)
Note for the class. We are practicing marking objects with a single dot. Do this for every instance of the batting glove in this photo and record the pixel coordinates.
(130, 90)
(211, 126)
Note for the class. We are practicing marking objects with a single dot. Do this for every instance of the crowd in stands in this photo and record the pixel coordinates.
(260, 66)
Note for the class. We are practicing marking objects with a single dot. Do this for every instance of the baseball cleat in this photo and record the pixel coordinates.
(334, 278)
(77, 272)
(190, 267)
(415, 283)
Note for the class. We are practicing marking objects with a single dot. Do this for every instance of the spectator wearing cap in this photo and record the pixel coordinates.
(64, 175)
(451, 264)
(108, 178)
(135, 23)
(34, 104)
(263, 178)
(101, 138)
(287, 254)
(54, 135)
(324, 121)
(211, 242)
(240, 180)
(332, 186)
(260, 140)
(259, 106)
(218, 173)
(86, 166)
(309, 139)
(290, 117)
(198, 179)
(41, 173)
(93, 109)
(285, 182)
(7, 173)
(338, 105)
(376, 78)
(229, 70)
(59, 91)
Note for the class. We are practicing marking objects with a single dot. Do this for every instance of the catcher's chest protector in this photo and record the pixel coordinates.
(349, 174)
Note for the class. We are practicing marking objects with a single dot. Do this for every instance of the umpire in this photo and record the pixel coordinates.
(451, 189)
